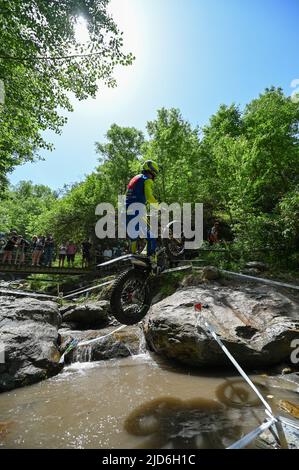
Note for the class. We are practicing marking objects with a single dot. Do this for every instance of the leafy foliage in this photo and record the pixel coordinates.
(42, 61)
(22, 206)
(119, 156)
(243, 167)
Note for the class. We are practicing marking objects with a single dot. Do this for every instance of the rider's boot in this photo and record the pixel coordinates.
(133, 247)
(156, 268)
(154, 263)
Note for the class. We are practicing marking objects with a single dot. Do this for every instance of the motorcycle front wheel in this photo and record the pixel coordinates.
(130, 297)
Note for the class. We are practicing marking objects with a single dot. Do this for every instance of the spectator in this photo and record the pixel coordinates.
(38, 249)
(99, 254)
(22, 246)
(9, 247)
(107, 254)
(33, 245)
(86, 258)
(118, 251)
(213, 234)
(70, 253)
(2, 243)
(49, 250)
(62, 254)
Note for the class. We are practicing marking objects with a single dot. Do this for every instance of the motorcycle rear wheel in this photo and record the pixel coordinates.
(175, 247)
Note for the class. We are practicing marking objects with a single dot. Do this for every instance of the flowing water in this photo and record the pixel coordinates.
(136, 402)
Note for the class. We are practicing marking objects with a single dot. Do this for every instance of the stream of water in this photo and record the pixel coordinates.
(136, 402)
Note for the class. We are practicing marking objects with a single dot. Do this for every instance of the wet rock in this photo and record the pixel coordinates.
(286, 370)
(291, 408)
(119, 344)
(157, 298)
(292, 378)
(210, 273)
(267, 440)
(85, 315)
(193, 279)
(259, 266)
(246, 331)
(280, 383)
(109, 344)
(105, 292)
(251, 271)
(257, 324)
(28, 331)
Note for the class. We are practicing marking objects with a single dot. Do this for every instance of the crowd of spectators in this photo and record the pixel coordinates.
(42, 251)
(110, 252)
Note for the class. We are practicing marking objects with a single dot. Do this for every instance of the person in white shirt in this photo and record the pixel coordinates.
(107, 254)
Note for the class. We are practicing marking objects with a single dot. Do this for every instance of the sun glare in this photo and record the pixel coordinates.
(81, 31)
(129, 19)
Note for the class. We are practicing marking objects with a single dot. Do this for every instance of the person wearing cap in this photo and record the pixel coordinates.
(213, 235)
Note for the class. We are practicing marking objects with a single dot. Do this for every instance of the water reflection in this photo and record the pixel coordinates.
(173, 423)
(197, 423)
(237, 393)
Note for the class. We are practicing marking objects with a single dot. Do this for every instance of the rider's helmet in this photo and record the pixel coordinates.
(151, 167)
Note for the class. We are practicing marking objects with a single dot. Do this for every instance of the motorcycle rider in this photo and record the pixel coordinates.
(140, 190)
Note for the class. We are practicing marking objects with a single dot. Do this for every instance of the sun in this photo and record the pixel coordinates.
(81, 30)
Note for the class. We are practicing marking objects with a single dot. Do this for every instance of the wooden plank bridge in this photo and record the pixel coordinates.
(65, 271)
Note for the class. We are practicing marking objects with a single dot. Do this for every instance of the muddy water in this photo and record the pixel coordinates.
(135, 402)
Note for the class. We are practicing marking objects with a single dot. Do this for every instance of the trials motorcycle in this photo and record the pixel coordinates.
(131, 292)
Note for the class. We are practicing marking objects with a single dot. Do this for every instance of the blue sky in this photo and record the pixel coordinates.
(190, 54)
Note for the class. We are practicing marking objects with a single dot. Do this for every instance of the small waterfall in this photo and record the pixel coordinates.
(142, 343)
(82, 354)
(84, 350)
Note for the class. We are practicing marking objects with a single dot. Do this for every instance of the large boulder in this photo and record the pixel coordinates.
(210, 273)
(28, 334)
(85, 315)
(258, 265)
(257, 324)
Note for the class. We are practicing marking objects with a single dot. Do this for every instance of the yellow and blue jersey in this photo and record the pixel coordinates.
(140, 189)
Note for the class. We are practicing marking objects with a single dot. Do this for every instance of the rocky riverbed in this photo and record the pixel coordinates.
(258, 324)
(181, 381)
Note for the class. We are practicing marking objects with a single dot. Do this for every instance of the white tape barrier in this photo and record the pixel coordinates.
(244, 441)
(89, 289)
(260, 279)
(268, 409)
(288, 422)
(86, 343)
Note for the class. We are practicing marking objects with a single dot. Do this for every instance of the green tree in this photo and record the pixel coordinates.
(119, 157)
(271, 125)
(42, 61)
(175, 146)
(218, 158)
(72, 217)
(244, 169)
(23, 204)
